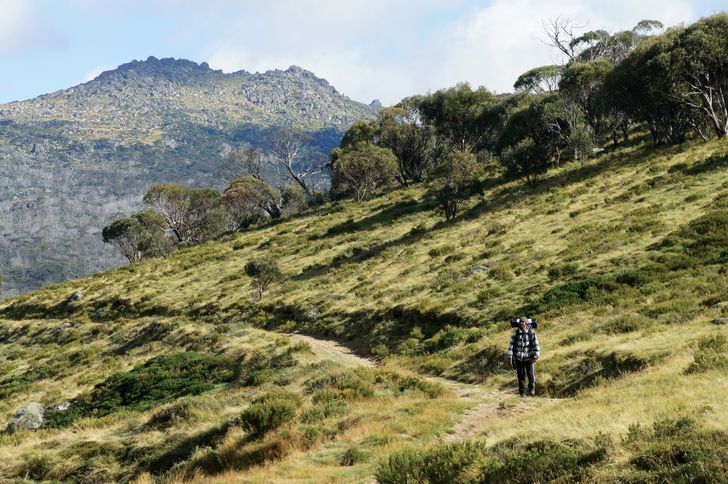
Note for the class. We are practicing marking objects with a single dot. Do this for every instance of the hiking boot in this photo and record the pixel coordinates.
(532, 393)
(522, 394)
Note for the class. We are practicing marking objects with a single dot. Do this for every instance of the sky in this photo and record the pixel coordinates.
(368, 49)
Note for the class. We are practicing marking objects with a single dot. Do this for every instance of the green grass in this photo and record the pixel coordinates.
(623, 261)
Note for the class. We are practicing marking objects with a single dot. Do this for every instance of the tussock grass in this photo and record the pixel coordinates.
(623, 261)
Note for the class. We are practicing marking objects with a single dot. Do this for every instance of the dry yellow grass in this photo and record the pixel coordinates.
(387, 273)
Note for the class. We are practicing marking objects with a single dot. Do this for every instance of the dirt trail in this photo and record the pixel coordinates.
(489, 403)
(333, 351)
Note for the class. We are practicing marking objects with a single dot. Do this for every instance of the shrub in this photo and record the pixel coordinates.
(326, 395)
(352, 456)
(635, 278)
(430, 389)
(270, 411)
(470, 461)
(699, 242)
(679, 450)
(452, 462)
(590, 370)
(402, 466)
(486, 362)
(711, 354)
(170, 415)
(35, 468)
(575, 292)
(542, 461)
(501, 273)
(159, 380)
(324, 409)
(263, 272)
(445, 338)
(441, 250)
(626, 323)
(351, 384)
(563, 270)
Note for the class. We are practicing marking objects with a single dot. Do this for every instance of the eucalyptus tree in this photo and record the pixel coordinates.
(453, 180)
(192, 214)
(646, 88)
(141, 235)
(362, 170)
(699, 60)
(249, 200)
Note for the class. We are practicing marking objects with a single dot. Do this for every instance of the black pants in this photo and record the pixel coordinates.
(523, 369)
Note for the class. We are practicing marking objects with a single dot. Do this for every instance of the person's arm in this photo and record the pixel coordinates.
(536, 350)
(510, 350)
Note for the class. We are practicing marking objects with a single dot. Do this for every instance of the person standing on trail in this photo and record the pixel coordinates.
(523, 351)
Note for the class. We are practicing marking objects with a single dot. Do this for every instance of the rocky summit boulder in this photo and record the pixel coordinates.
(27, 417)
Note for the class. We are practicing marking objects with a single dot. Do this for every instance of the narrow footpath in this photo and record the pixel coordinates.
(487, 403)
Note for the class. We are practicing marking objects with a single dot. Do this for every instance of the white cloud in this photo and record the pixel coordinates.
(499, 42)
(92, 73)
(24, 28)
(376, 49)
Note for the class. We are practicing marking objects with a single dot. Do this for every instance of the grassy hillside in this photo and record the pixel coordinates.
(623, 260)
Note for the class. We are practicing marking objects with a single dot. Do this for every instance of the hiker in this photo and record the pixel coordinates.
(523, 351)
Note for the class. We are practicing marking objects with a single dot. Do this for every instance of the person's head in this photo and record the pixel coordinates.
(523, 323)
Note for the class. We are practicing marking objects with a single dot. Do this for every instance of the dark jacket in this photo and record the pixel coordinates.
(524, 346)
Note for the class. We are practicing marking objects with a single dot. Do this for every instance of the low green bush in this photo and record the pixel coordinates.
(170, 415)
(350, 384)
(701, 241)
(678, 450)
(352, 456)
(488, 361)
(36, 468)
(270, 411)
(323, 410)
(711, 354)
(404, 466)
(575, 292)
(586, 370)
(626, 323)
(430, 389)
(562, 271)
(444, 339)
(634, 278)
(541, 461)
(472, 462)
(441, 250)
(452, 462)
(161, 379)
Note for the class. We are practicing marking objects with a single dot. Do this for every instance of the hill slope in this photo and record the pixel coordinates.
(623, 260)
(73, 159)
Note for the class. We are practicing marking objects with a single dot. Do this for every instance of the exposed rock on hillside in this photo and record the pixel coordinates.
(27, 417)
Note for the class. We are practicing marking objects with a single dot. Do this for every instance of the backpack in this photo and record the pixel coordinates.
(532, 323)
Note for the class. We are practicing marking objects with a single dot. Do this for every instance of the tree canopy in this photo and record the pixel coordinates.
(141, 235)
(192, 214)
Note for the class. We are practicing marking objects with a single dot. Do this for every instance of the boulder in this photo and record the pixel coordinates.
(62, 407)
(720, 321)
(477, 269)
(27, 417)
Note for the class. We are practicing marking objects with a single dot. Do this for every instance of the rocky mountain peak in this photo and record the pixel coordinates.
(170, 69)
